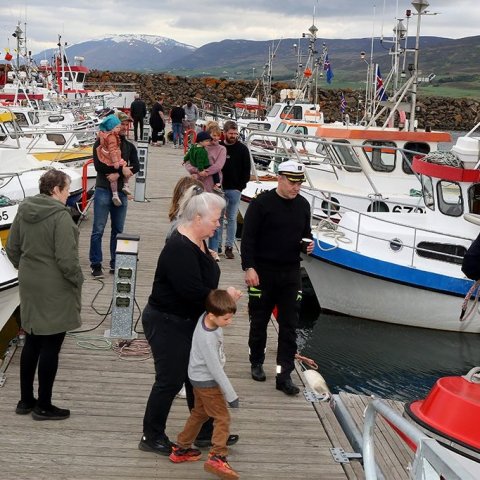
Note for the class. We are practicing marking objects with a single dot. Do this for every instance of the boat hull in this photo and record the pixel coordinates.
(357, 294)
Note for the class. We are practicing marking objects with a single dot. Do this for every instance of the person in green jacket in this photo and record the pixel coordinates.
(43, 246)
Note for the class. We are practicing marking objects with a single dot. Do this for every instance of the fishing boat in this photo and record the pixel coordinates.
(9, 293)
(405, 268)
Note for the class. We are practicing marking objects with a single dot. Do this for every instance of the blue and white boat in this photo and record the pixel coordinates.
(400, 268)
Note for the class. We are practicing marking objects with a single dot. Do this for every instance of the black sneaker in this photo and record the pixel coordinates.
(50, 413)
(97, 272)
(229, 253)
(161, 446)
(24, 408)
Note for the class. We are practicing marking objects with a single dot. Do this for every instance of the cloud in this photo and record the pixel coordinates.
(198, 23)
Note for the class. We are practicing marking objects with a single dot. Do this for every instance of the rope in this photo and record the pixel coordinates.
(329, 229)
(443, 158)
(126, 349)
(464, 315)
(91, 342)
(306, 361)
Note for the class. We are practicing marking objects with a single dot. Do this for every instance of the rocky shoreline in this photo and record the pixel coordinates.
(440, 113)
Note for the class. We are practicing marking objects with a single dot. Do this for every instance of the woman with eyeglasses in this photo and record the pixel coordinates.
(186, 273)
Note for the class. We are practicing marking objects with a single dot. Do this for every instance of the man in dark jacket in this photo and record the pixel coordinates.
(138, 111)
(102, 200)
(273, 228)
(236, 174)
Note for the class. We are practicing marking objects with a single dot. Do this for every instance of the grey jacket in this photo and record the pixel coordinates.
(43, 246)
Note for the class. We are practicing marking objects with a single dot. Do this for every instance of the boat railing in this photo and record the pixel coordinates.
(431, 459)
(214, 111)
(358, 232)
(315, 152)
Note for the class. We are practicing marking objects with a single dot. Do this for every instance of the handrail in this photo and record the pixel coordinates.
(429, 453)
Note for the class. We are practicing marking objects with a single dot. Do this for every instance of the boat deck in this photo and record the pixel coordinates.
(280, 437)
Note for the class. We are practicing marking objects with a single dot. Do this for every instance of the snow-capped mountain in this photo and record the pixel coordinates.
(127, 52)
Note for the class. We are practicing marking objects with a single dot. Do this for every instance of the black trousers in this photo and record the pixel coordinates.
(170, 338)
(137, 124)
(281, 288)
(39, 351)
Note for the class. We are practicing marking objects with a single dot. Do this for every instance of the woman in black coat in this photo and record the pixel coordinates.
(157, 120)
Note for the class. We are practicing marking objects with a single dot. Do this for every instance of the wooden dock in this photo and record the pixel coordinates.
(280, 437)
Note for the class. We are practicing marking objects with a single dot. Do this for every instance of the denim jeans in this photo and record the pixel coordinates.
(102, 206)
(232, 197)
(177, 133)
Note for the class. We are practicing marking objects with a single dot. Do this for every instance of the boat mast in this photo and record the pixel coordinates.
(420, 6)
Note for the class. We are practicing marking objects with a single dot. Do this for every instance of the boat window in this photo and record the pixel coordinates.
(345, 156)
(58, 138)
(427, 192)
(298, 130)
(445, 252)
(258, 126)
(415, 148)
(381, 155)
(281, 127)
(80, 77)
(274, 110)
(33, 117)
(450, 201)
(292, 113)
(13, 130)
(21, 119)
(474, 199)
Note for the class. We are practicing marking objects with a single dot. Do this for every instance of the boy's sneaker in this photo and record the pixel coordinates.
(180, 455)
(116, 200)
(50, 413)
(97, 272)
(229, 253)
(219, 466)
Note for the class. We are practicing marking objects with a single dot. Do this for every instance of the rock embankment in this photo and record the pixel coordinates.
(436, 112)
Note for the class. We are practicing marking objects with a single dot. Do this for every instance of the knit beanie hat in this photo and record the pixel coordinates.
(109, 123)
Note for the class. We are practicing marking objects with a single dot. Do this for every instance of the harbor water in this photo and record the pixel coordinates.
(374, 358)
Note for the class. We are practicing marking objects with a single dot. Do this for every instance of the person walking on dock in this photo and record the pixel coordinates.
(191, 115)
(102, 200)
(177, 115)
(43, 245)
(138, 112)
(273, 228)
(236, 174)
(157, 121)
(212, 389)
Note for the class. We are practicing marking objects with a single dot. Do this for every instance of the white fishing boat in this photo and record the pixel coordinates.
(405, 268)
(9, 293)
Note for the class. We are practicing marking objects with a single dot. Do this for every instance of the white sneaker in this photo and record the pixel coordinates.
(116, 200)
(182, 393)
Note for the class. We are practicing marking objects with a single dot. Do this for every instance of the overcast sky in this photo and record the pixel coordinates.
(197, 22)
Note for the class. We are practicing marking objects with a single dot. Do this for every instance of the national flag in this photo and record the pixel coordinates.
(328, 69)
(343, 104)
(380, 93)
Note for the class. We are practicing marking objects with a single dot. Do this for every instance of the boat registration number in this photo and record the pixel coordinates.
(407, 209)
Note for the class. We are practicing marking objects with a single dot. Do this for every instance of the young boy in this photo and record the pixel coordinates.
(198, 157)
(109, 153)
(211, 387)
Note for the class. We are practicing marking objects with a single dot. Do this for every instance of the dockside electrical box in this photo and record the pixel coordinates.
(123, 303)
(141, 176)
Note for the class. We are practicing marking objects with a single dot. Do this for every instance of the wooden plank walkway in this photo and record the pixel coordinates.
(280, 437)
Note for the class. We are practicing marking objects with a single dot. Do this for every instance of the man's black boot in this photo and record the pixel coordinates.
(258, 374)
(287, 386)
